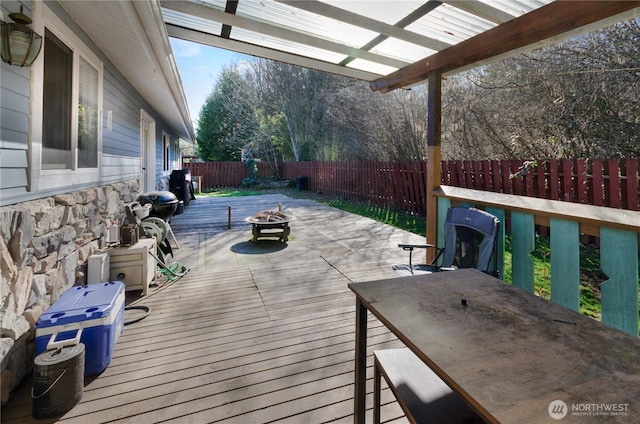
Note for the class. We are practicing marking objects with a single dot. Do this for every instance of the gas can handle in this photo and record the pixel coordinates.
(53, 344)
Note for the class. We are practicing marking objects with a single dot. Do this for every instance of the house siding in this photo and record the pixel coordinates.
(70, 220)
(118, 145)
(124, 138)
(14, 121)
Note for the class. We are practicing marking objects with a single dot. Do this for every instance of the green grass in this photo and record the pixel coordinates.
(589, 257)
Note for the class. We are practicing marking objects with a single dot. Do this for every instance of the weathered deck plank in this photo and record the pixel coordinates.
(250, 334)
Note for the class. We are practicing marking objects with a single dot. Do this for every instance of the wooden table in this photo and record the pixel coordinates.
(511, 355)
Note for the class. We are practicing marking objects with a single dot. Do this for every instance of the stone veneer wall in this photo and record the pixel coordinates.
(44, 246)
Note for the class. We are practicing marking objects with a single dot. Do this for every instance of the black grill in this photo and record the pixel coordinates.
(163, 203)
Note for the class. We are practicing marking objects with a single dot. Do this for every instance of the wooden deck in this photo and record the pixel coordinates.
(254, 333)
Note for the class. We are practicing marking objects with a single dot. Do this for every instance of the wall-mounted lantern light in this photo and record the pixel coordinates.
(20, 44)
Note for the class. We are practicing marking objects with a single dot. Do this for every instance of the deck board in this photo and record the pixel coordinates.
(249, 334)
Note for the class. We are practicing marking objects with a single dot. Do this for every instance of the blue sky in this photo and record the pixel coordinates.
(199, 67)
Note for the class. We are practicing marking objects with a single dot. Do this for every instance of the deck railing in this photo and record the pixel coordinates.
(617, 229)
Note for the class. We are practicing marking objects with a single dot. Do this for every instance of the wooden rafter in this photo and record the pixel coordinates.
(550, 21)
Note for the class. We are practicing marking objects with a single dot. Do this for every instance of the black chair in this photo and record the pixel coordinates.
(470, 240)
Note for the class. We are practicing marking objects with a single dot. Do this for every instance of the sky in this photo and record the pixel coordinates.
(199, 67)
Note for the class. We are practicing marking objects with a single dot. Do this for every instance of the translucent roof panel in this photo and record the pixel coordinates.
(516, 8)
(193, 22)
(365, 65)
(285, 45)
(387, 11)
(374, 37)
(402, 50)
(303, 22)
(450, 25)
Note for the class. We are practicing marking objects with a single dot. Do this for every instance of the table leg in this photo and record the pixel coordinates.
(377, 377)
(360, 386)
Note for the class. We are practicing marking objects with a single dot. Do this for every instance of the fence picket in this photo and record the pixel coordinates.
(631, 187)
(613, 190)
(401, 185)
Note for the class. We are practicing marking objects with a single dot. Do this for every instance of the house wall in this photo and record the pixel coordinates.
(14, 120)
(47, 235)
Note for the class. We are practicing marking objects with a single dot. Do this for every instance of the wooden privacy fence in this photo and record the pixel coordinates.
(610, 182)
(400, 185)
(607, 182)
(223, 174)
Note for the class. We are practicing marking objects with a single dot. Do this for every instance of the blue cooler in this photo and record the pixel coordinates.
(91, 314)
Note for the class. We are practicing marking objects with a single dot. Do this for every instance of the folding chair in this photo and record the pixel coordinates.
(470, 240)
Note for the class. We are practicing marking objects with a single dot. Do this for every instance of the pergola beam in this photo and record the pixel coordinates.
(264, 52)
(553, 20)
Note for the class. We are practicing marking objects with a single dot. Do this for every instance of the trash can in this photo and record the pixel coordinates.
(302, 183)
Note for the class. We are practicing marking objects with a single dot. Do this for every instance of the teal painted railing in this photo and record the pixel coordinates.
(618, 229)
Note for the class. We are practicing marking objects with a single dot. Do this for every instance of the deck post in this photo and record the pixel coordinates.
(434, 165)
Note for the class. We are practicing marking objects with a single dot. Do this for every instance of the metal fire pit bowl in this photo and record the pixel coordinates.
(270, 224)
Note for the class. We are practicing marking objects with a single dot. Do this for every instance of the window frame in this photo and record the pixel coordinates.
(166, 153)
(176, 155)
(42, 179)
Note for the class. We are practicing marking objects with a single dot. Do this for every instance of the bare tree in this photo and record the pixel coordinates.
(580, 98)
(299, 95)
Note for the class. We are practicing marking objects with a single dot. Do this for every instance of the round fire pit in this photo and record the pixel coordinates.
(270, 224)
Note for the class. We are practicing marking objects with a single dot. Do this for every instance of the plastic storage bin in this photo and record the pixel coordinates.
(91, 314)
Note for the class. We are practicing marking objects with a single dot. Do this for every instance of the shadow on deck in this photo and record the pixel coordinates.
(252, 334)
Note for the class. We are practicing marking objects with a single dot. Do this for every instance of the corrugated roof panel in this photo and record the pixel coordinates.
(376, 68)
(516, 7)
(285, 16)
(402, 50)
(216, 4)
(450, 24)
(387, 11)
(192, 22)
(285, 45)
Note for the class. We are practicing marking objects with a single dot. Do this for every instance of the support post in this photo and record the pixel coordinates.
(434, 165)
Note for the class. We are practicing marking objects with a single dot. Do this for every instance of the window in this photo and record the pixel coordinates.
(166, 146)
(60, 126)
(88, 122)
(176, 154)
(68, 121)
(58, 65)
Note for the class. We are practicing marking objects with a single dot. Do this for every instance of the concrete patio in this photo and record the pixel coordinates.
(254, 333)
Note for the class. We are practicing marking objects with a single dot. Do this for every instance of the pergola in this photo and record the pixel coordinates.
(391, 44)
